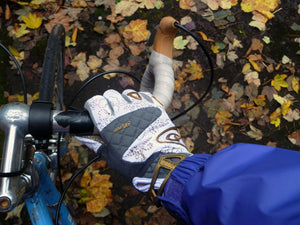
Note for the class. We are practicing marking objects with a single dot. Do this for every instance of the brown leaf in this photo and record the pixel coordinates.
(137, 49)
(134, 215)
(136, 30)
(116, 52)
(269, 92)
(61, 18)
(295, 138)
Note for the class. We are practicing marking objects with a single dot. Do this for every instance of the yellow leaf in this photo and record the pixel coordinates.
(74, 35)
(35, 96)
(68, 42)
(246, 68)
(255, 65)
(276, 122)
(215, 48)
(33, 21)
(204, 37)
(20, 31)
(295, 85)
(195, 70)
(186, 4)
(259, 5)
(279, 81)
(260, 100)
(14, 51)
(180, 43)
(85, 179)
(223, 117)
(275, 114)
(285, 107)
(137, 30)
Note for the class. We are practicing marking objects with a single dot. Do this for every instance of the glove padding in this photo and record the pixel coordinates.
(136, 132)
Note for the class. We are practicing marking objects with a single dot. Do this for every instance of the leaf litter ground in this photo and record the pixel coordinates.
(254, 97)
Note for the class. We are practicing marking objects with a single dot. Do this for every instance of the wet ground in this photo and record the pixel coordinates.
(197, 123)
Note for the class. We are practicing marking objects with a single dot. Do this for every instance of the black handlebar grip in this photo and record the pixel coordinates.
(79, 122)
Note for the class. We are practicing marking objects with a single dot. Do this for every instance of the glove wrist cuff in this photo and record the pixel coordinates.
(165, 162)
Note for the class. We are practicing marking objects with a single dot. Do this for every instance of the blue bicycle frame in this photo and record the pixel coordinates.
(41, 205)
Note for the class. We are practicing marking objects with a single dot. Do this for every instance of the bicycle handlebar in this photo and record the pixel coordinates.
(18, 120)
(158, 78)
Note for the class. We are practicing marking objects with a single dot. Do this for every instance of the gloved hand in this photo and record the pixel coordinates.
(136, 133)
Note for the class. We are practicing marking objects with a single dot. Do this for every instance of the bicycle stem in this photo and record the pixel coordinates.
(14, 124)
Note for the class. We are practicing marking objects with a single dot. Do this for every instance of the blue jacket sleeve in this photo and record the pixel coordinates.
(241, 184)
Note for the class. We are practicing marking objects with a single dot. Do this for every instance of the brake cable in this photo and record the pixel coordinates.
(20, 71)
(137, 79)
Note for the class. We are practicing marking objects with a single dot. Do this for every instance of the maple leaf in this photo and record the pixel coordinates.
(223, 118)
(195, 70)
(99, 192)
(260, 100)
(19, 31)
(279, 81)
(180, 43)
(137, 30)
(33, 21)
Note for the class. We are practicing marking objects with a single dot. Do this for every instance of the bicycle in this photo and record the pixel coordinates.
(34, 137)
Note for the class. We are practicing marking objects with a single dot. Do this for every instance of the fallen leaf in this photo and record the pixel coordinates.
(255, 65)
(232, 56)
(269, 92)
(32, 21)
(223, 117)
(180, 43)
(19, 31)
(252, 78)
(137, 49)
(285, 60)
(116, 52)
(126, 8)
(94, 63)
(292, 115)
(195, 70)
(260, 100)
(136, 30)
(126, 82)
(186, 4)
(61, 18)
(295, 85)
(279, 81)
(295, 138)
(275, 117)
(261, 26)
(134, 215)
(255, 133)
(79, 62)
(246, 68)
(259, 5)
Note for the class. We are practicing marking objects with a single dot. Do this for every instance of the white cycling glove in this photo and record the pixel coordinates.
(136, 133)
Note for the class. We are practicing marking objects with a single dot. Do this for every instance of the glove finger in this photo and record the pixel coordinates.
(117, 102)
(100, 111)
(140, 97)
(90, 143)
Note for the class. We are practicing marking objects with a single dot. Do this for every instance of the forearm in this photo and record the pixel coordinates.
(242, 184)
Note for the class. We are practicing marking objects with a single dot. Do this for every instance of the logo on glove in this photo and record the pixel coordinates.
(123, 126)
(171, 135)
